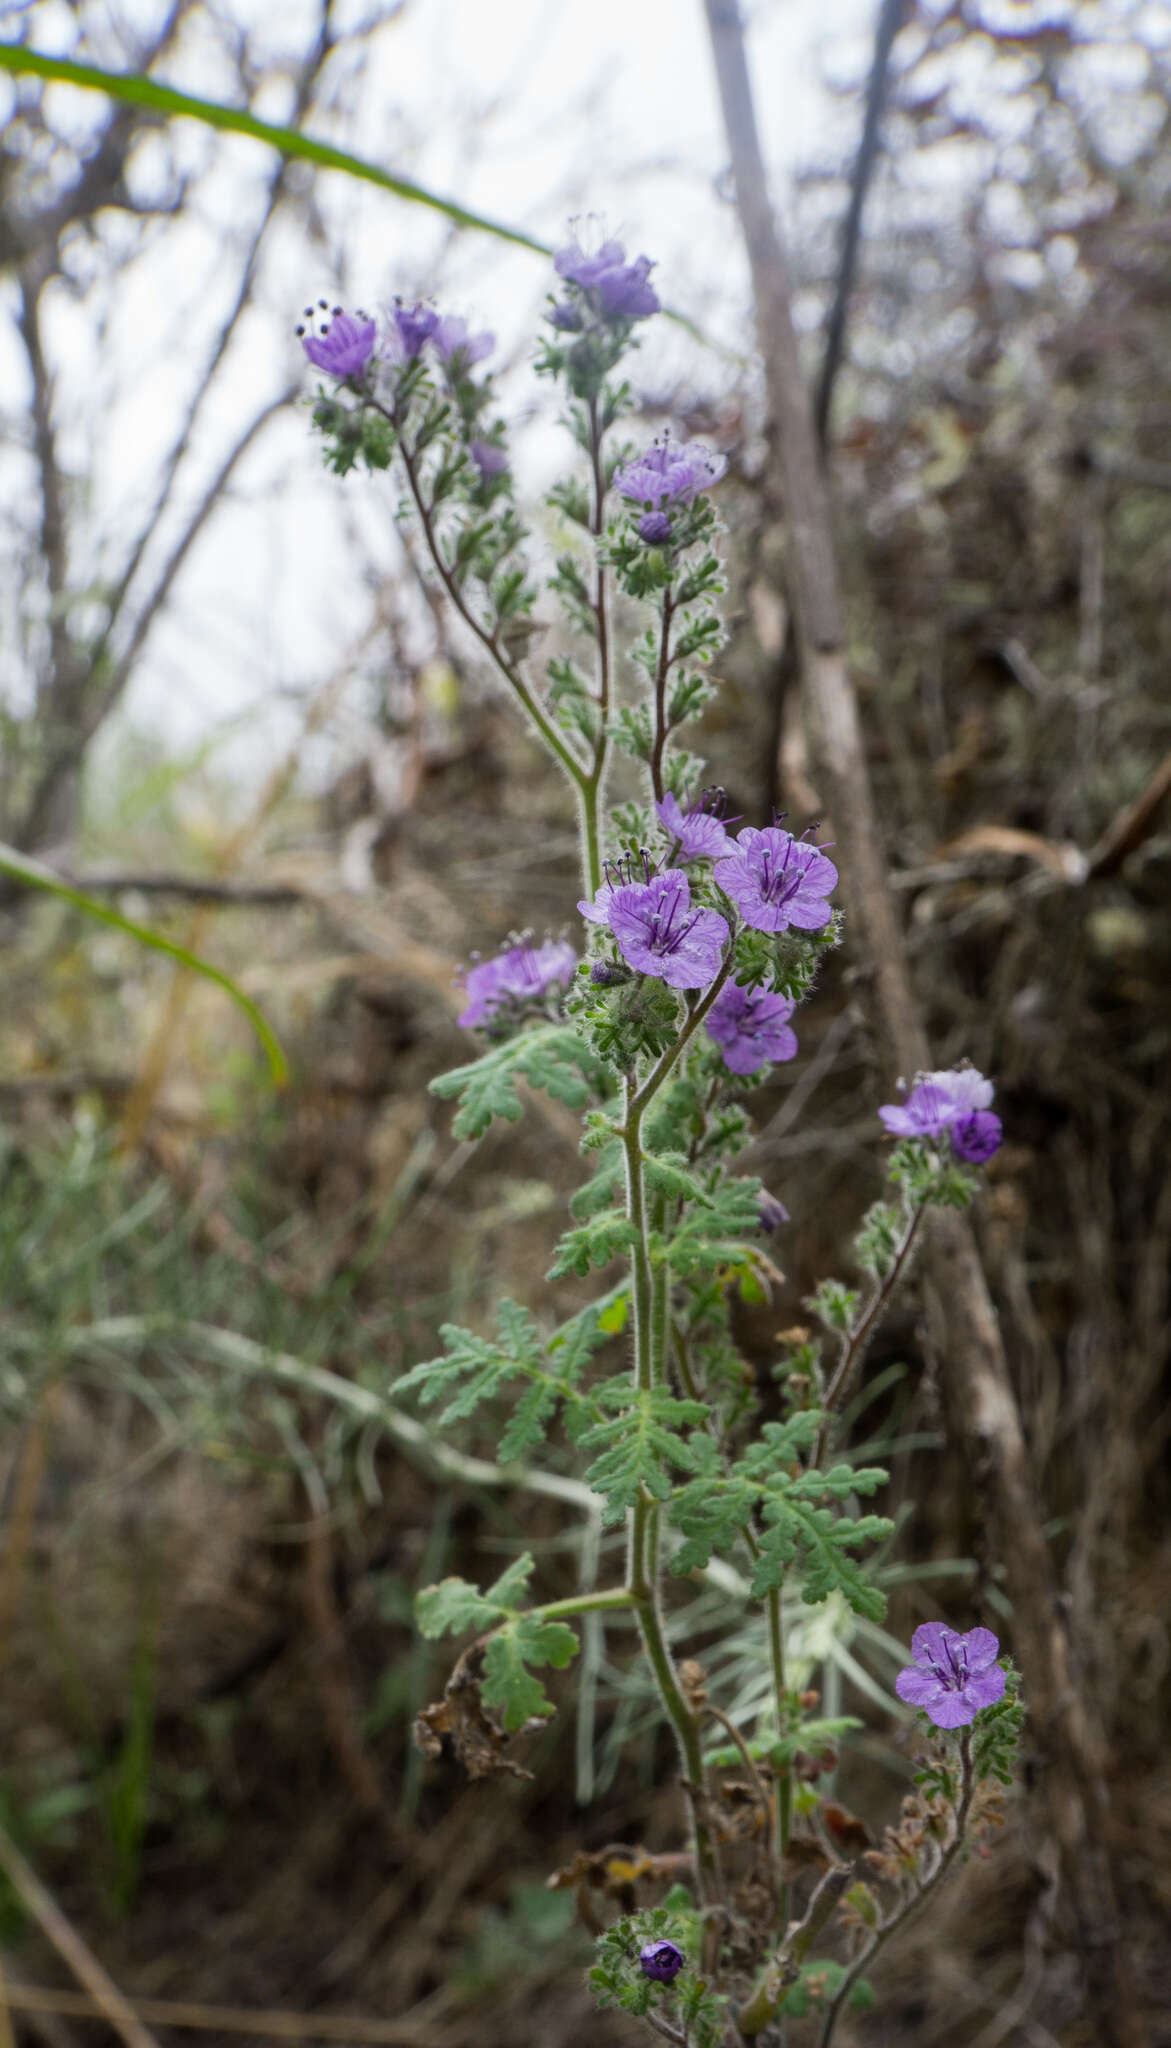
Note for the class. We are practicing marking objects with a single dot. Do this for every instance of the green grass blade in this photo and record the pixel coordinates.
(141, 91)
(37, 877)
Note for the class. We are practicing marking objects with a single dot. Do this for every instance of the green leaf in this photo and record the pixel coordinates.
(39, 877)
(508, 1684)
(475, 1369)
(454, 1606)
(639, 1446)
(594, 1243)
(551, 1057)
(138, 90)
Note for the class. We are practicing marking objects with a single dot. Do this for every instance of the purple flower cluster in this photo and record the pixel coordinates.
(954, 1100)
(343, 342)
(953, 1676)
(523, 974)
(777, 881)
(661, 1961)
(665, 476)
(459, 349)
(751, 1026)
(619, 290)
(657, 930)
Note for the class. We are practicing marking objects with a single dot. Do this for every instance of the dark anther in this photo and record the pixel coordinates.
(308, 312)
(298, 330)
(336, 311)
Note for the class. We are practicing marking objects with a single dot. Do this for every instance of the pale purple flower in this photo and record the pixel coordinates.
(667, 474)
(489, 459)
(343, 345)
(623, 289)
(777, 881)
(751, 1026)
(522, 974)
(459, 349)
(953, 1676)
(771, 1210)
(411, 327)
(701, 834)
(661, 1960)
(659, 933)
(955, 1100)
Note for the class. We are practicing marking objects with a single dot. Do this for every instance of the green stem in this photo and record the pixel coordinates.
(586, 1603)
(661, 674)
(776, 1652)
(659, 1072)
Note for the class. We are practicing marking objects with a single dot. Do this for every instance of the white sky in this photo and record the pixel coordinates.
(608, 105)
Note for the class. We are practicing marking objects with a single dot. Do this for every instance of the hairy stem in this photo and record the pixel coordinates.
(661, 674)
(923, 1889)
(538, 718)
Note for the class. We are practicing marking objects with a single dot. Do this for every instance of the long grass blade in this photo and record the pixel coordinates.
(140, 91)
(32, 872)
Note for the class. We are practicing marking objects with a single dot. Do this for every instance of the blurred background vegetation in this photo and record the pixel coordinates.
(231, 708)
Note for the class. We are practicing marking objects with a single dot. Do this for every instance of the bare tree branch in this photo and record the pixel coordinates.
(890, 20)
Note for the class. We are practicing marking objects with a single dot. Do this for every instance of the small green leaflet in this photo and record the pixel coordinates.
(592, 1244)
(508, 1684)
(518, 1640)
(552, 1057)
(454, 1606)
(799, 1528)
(639, 1445)
(475, 1369)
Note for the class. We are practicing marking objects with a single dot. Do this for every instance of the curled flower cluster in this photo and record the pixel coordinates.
(954, 1100)
(616, 289)
(343, 343)
(700, 833)
(666, 476)
(523, 975)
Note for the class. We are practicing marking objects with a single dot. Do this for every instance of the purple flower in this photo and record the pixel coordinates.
(661, 1960)
(750, 1026)
(459, 349)
(669, 473)
(974, 1138)
(623, 289)
(955, 1099)
(522, 974)
(701, 834)
(776, 881)
(657, 930)
(489, 459)
(953, 1676)
(771, 1210)
(343, 344)
(411, 327)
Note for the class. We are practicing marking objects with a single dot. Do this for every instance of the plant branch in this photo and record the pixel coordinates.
(854, 1347)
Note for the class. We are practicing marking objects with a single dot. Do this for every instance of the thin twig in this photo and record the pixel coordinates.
(103, 1993)
(232, 2019)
